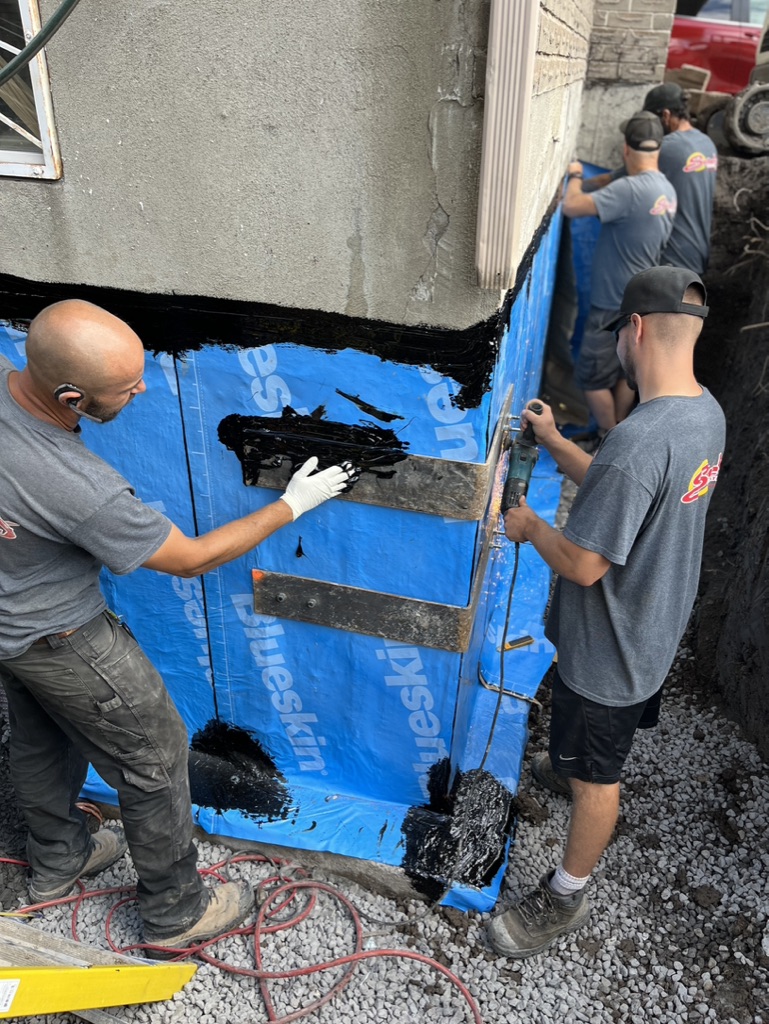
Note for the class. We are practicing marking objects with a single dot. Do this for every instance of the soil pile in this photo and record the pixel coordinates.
(732, 626)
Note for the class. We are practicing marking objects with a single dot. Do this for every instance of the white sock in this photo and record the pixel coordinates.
(565, 884)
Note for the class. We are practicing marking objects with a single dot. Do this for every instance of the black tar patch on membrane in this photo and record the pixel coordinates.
(229, 770)
(459, 837)
(176, 324)
(263, 441)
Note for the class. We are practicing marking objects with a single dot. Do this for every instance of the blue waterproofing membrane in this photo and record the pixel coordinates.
(584, 234)
(522, 669)
(353, 723)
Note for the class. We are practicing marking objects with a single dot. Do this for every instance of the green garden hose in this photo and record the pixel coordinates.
(36, 44)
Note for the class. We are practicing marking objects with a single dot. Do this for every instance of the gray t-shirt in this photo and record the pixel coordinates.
(642, 505)
(636, 214)
(689, 160)
(63, 514)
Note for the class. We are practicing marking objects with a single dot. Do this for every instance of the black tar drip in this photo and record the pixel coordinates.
(371, 410)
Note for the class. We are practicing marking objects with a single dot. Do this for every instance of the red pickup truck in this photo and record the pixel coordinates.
(720, 35)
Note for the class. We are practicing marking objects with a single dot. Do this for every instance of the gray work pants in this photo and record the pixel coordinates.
(95, 697)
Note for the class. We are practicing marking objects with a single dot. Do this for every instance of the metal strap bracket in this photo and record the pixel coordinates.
(392, 616)
(418, 483)
(374, 613)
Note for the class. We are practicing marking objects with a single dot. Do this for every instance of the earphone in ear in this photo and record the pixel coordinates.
(71, 395)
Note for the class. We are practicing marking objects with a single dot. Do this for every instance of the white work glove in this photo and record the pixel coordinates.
(305, 491)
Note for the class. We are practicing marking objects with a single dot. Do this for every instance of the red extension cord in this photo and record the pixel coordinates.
(274, 896)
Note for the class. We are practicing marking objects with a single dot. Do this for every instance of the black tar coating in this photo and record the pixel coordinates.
(264, 441)
(175, 324)
(378, 414)
(229, 770)
(460, 837)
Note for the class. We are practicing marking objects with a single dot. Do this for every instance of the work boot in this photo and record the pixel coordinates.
(536, 920)
(543, 771)
(228, 905)
(107, 846)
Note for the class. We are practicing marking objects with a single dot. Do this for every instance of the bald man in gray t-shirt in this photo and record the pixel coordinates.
(79, 688)
(636, 213)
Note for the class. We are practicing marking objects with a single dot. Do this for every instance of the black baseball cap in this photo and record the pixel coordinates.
(668, 96)
(643, 131)
(660, 290)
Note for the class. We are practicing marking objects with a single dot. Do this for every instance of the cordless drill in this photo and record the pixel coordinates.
(523, 458)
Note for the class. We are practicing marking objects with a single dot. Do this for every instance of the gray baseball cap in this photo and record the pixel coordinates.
(643, 131)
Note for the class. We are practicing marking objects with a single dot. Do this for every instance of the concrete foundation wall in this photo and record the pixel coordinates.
(324, 156)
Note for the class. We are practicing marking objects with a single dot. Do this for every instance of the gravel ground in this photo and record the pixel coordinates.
(679, 930)
(680, 905)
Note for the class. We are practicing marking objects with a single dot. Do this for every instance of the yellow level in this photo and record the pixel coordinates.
(28, 991)
(41, 973)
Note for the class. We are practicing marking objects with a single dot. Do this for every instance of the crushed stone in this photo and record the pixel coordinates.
(679, 931)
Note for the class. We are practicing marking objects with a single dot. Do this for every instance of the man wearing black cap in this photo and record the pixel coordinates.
(628, 566)
(636, 213)
(689, 159)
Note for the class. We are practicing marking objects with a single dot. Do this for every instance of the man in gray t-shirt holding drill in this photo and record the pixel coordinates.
(628, 564)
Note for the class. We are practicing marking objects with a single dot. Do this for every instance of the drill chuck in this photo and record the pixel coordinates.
(523, 458)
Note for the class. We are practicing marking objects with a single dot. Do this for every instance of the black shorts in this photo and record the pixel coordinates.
(590, 741)
(598, 366)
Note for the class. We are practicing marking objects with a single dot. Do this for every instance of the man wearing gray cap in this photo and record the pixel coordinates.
(628, 564)
(636, 213)
(689, 159)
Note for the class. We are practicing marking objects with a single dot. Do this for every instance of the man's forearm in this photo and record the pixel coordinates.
(191, 556)
(569, 458)
(563, 556)
(572, 197)
(575, 202)
(237, 538)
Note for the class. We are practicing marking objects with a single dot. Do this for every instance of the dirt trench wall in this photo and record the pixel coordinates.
(732, 622)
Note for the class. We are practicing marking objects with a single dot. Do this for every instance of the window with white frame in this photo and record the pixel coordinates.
(28, 144)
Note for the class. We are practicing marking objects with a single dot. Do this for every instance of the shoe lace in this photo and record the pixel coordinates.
(537, 907)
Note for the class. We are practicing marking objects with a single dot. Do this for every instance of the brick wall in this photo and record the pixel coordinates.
(564, 41)
(629, 40)
(627, 56)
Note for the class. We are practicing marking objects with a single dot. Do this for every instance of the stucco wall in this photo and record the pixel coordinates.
(316, 155)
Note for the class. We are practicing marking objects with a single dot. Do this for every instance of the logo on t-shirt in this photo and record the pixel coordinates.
(662, 206)
(7, 531)
(704, 478)
(700, 162)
